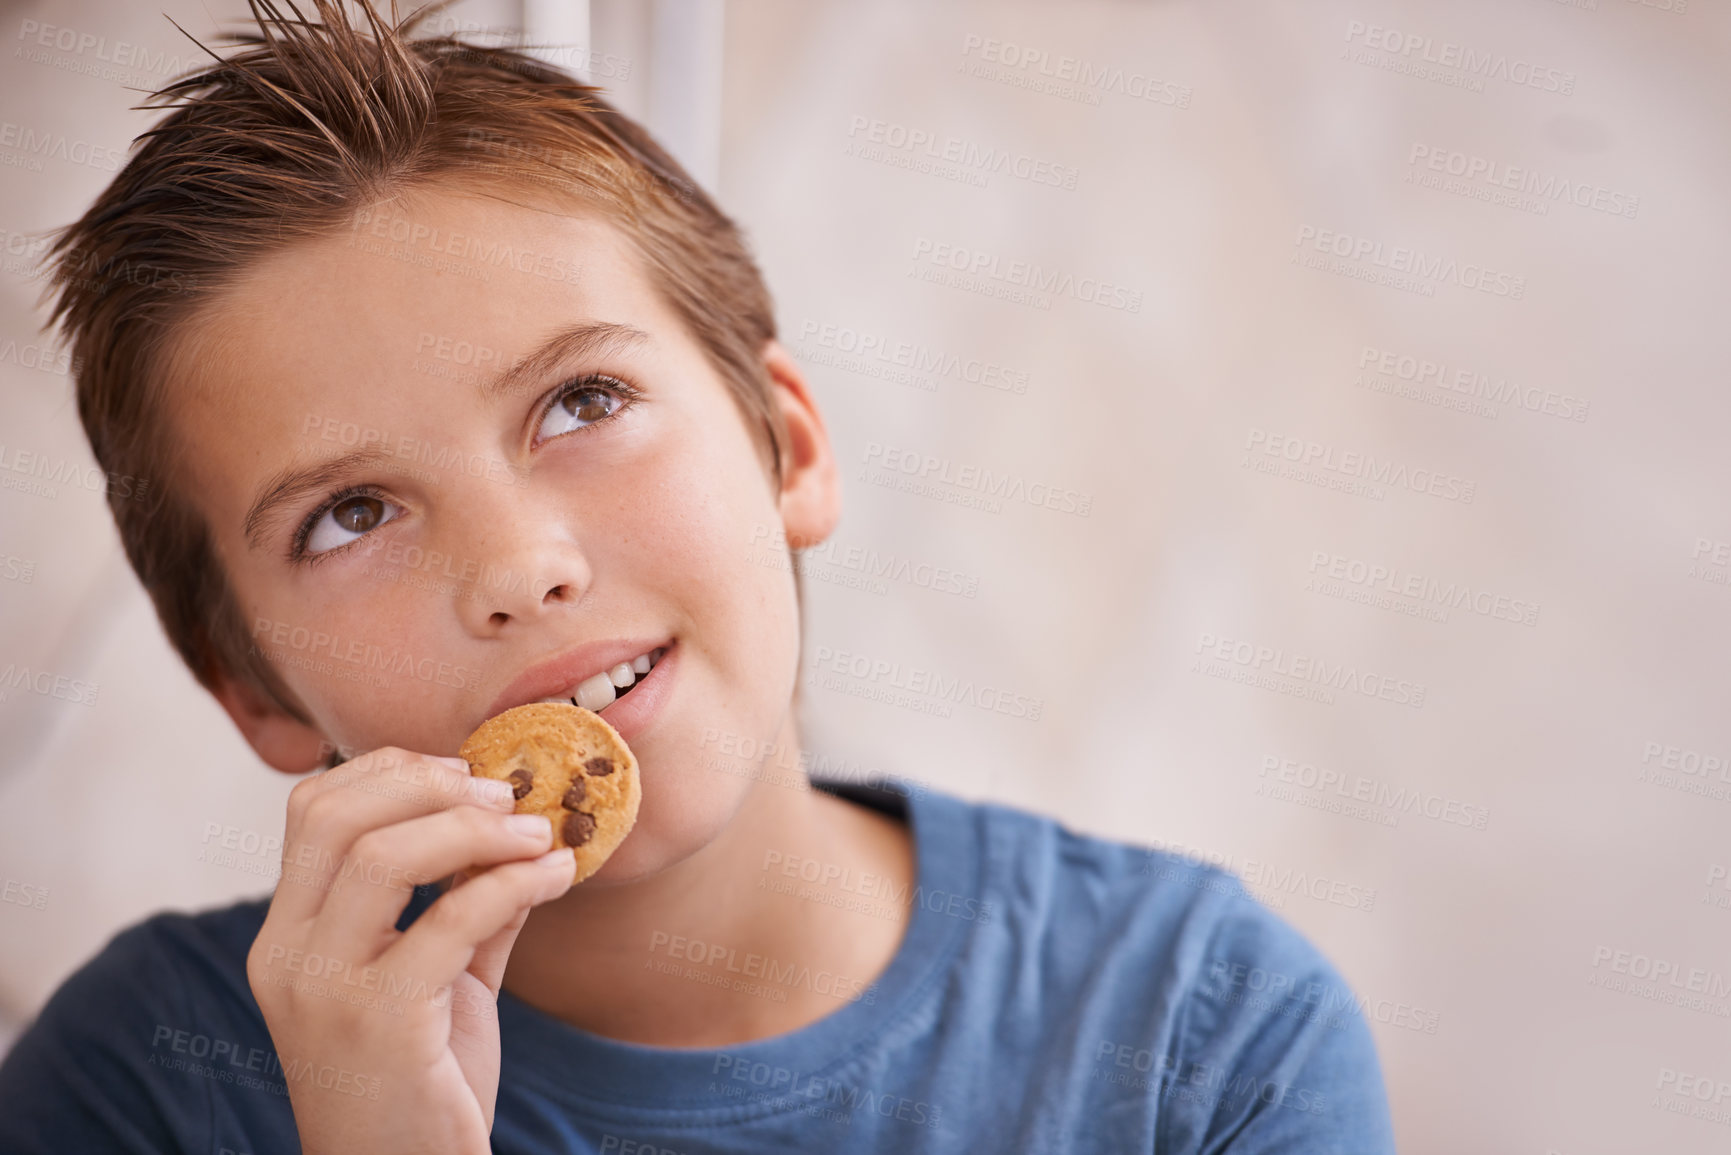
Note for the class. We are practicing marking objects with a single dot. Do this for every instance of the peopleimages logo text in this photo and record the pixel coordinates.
(158, 62)
(975, 263)
(1547, 187)
(1483, 65)
(1400, 259)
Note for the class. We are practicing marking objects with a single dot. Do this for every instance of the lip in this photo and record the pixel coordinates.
(632, 714)
(562, 671)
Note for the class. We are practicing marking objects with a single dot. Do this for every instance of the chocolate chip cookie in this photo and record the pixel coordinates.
(567, 763)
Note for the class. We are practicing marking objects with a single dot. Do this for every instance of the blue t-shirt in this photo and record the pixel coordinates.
(1053, 993)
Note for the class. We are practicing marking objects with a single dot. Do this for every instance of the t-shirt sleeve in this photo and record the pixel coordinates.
(81, 1078)
(1272, 1054)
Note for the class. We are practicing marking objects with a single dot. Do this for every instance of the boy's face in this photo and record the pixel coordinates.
(511, 532)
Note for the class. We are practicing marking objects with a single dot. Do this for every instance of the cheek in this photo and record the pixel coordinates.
(707, 532)
(362, 656)
(715, 532)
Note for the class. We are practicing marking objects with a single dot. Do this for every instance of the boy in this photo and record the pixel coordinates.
(457, 395)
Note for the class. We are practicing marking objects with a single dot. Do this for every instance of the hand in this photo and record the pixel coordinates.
(389, 1040)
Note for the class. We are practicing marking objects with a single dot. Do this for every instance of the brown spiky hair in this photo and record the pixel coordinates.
(309, 120)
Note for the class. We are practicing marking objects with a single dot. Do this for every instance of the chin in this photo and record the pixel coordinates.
(682, 812)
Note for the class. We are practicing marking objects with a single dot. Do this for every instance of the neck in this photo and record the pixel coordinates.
(689, 957)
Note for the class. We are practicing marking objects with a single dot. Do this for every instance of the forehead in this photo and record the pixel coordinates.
(451, 264)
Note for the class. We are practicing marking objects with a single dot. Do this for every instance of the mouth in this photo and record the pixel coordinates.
(598, 676)
(600, 690)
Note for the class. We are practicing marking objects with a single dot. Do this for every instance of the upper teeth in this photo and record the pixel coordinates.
(598, 691)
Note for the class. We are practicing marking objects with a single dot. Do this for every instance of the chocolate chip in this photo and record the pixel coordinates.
(578, 829)
(521, 782)
(599, 767)
(574, 796)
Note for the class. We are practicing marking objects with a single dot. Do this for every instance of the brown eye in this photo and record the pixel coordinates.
(588, 405)
(359, 514)
(347, 520)
(581, 407)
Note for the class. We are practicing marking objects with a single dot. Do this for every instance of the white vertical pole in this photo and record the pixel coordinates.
(685, 84)
(557, 32)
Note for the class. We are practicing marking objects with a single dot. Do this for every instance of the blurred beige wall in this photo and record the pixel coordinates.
(1304, 419)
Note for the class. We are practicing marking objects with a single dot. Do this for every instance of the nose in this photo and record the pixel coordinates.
(527, 562)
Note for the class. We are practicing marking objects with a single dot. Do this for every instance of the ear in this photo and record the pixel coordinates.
(284, 744)
(810, 500)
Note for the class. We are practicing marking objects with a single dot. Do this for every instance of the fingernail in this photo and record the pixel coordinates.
(564, 856)
(530, 825)
(454, 763)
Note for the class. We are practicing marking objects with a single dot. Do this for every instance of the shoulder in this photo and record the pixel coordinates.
(115, 1055)
(1211, 1001)
(1038, 863)
(1271, 1047)
(189, 958)
(1098, 909)
(166, 957)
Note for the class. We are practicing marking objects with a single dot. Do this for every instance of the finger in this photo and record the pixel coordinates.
(384, 865)
(488, 964)
(444, 941)
(328, 813)
(474, 1035)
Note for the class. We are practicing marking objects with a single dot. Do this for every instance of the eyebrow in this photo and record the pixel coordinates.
(590, 339)
(291, 484)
